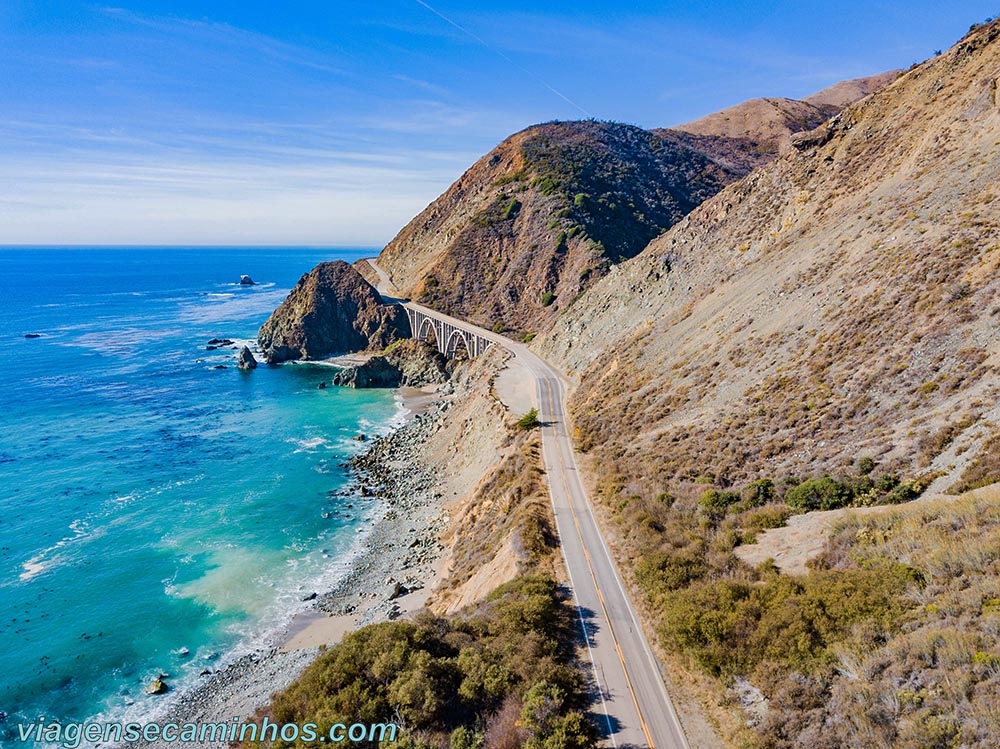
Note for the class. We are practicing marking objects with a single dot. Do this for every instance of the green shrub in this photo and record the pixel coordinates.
(729, 627)
(547, 298)
(511, 209)
(865, 466)
(445, 681)
(529, 420)
(670, 570)
(758, 493)
(823, 493)
(716, 502)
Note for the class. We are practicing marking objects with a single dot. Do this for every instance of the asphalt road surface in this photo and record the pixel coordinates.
(633, 705)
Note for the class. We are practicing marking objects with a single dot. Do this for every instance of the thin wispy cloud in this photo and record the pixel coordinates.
(336, 123)
(504, 56)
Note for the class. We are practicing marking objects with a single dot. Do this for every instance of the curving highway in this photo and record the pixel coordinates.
(635, 709)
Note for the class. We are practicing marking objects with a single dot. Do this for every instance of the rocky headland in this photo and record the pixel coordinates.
(331, 310)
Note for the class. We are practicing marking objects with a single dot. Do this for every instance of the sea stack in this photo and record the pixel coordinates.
(332, 310)
(245, 280)
(246, 359)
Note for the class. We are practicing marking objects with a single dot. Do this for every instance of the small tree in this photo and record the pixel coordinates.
(529, 420)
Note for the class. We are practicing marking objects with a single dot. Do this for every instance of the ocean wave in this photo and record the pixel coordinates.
(208, 309)
(118, 340)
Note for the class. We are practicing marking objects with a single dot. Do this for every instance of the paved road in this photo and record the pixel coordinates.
(635, 707)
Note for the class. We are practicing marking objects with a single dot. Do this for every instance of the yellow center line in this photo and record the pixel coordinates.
(600, 595)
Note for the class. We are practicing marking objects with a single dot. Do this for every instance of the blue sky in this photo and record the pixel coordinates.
(332, 123)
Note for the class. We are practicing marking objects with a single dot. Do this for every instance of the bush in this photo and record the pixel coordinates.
(730, 627)
(823, 493)
(529, 420)
(455, 682)
(547, 298)
(865, 466)
(716, 502)
(758, 493)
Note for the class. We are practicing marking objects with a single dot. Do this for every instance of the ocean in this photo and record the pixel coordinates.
(158, 514)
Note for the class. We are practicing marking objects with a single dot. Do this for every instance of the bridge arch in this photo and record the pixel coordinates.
(427, 327)
(451, 348)
(449, 338)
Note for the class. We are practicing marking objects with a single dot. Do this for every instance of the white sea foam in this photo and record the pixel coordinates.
(55, 555)
(307, 445)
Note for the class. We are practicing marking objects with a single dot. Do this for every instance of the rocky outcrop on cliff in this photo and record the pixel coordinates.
(377, 372)
(331, 310)
(408, 363)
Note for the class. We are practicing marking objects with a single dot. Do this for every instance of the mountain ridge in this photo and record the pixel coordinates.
(777, 246)
(535, 222)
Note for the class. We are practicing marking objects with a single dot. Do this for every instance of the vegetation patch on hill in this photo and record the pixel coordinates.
(892, 638)
(499, 676)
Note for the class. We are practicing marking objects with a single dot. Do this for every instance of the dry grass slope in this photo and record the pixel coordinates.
(841, 302)
(827, 328)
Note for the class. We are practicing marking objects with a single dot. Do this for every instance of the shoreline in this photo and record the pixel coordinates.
(390, 577)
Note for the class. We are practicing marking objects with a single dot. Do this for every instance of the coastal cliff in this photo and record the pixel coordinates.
(331, 310)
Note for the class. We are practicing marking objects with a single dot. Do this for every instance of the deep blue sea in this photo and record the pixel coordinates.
(150, 503)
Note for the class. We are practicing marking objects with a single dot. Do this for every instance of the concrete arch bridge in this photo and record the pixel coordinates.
(449, 336)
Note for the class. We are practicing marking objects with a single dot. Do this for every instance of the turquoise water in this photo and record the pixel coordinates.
(148, 502)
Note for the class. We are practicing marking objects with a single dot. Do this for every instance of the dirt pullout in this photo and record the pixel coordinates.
(804, 537)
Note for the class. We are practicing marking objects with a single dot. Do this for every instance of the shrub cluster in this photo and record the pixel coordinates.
(502, 676)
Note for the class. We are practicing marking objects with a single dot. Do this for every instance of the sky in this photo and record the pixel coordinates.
(333, 122)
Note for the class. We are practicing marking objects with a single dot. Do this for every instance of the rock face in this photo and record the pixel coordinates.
(331, 310)
(408, 363)
(377, 372)
(246, 359)
(245, 280)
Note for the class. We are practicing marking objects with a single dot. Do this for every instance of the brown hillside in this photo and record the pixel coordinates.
(533, 223)
(766, 126)
(768, 123)
(840, 302)
(538, 220)
(847, 92)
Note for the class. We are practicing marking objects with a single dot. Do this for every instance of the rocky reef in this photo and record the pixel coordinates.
(331, 310)
(407, 363)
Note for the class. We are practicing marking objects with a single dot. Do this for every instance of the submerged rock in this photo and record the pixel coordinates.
(246, 359)
(245, 280)
(32, 335)
(331, 310)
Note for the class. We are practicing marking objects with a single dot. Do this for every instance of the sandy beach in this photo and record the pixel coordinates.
(390, 578)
